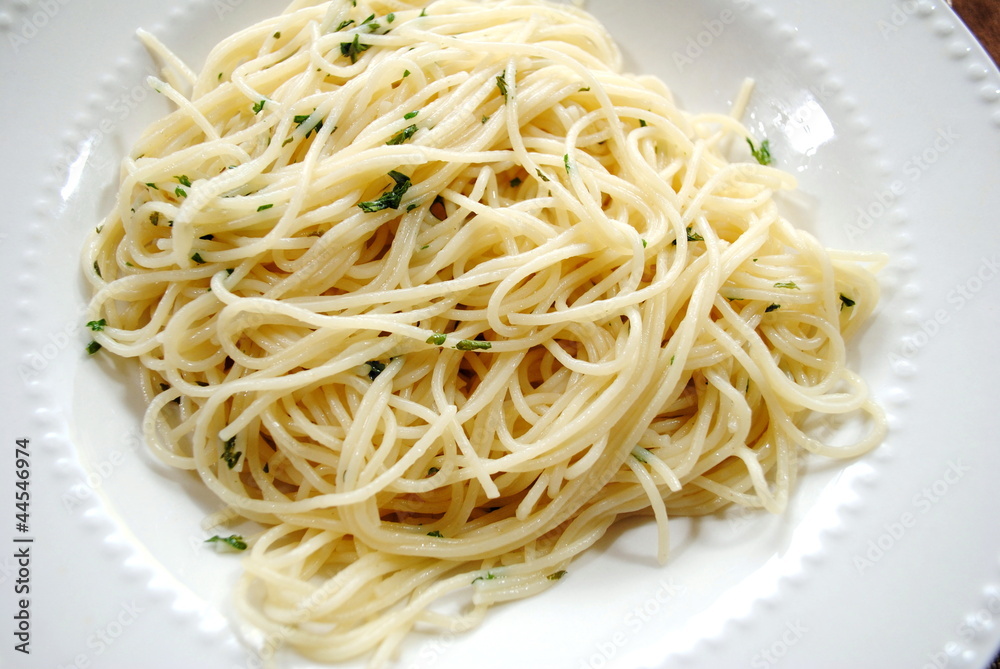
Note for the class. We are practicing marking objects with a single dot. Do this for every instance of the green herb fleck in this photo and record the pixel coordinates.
(375, 368)
(846, 302)
(97, 270)
(786, 284)
(180, 192)
(153, 186)
(390, 199)
(235, 541)
(402, 135)
(436, 533)
(557, 575)
(93, 347)
(412, 114)
(642, 123)
(432, 471)
(406, 73)
(258, 107)
(264, 207)
(198, 259)
(353, 49)
(344, 24)
(566, 162)
(502, 85)
(484, 119)
(489, 577)
(515, 182)
(771, 307)
(154, 218)
(390, 17)
(183, 180)
(540, 175)
(229, 454)
(584, 89)
(97, 326)
(473, 345)
(277, 35)
(694, 236)
(762, 154)
(437, 339)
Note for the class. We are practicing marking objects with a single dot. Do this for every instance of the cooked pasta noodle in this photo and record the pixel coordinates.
(436, 294)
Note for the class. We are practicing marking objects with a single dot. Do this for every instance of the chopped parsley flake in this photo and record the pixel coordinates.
(97, 270)
(264, 207)
(402, 135)
(515, 182)
(229, 454)
(412, 114)
(771, 307)
(763, 153)
(489, 577)
(694, 236)
(642, 123)
(437, 339)
(93, 347)
(153, 186)
(180, 192)
(97, 326)
(277, 35)
(198, 259)
(258, 107)
(846, 302)
(473, 345)
(344, 24)
(435, 533)
(390, 17)
(786, 284)
(502, 85)
(154, 218)
(235, 541)
(541, 175)
(390, 199)
(183, 180)
(406, 73)
(566, 162)
(353, 49)
(375, 368)
(557, 575)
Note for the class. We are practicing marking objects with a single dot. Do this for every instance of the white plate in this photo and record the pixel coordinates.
(887, 112)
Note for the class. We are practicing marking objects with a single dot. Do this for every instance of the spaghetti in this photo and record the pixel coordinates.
(436, 294)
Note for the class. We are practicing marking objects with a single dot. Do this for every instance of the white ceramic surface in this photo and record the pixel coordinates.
(886, 111)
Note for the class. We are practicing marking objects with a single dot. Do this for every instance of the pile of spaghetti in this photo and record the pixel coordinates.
(435, 294)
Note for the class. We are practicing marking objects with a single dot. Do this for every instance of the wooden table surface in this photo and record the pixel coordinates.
(983, 18)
